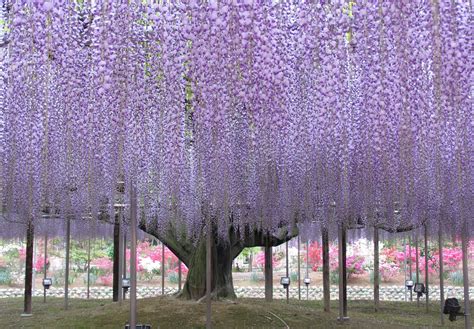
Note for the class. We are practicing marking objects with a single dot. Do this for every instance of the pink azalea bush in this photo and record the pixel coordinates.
(38, 266)
(259, 260)
(452, 257)
(354, 263)
(103, 263)
(388, 270)
(22, 253)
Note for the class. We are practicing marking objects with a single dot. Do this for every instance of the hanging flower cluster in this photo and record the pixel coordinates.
(260, 113)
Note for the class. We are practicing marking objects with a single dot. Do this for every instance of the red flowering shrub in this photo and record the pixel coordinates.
(315, 254)
(38, 266)
(106, 280)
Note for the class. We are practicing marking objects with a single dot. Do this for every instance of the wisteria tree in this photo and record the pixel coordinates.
(249, 116)
(224, 249)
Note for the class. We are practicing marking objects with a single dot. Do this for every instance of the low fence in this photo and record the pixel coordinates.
(389, 293)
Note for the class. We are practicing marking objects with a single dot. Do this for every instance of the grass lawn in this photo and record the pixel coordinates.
(169, 312)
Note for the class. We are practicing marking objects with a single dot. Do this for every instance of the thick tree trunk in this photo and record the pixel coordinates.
(221, 278)
(193, 255)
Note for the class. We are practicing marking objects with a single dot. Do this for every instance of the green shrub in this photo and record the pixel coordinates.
(173, 277)
(59, 277)
(334, 277)
(256, 277)
(5, 277)
(372, 277)
(92, 278)
(456, 278)
(294, 277)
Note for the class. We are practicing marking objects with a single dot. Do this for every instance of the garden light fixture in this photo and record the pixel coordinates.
(125, 284)
(419, 289)
(47, 282)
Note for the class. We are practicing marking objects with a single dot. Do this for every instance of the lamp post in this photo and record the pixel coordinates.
(285, 280)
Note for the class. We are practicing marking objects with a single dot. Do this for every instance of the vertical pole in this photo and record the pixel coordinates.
(376, 270)
(426, 269)
(441, 269)
(417, 275)
(133, 258)
(116, 258)
(28, 268)
(410, 265)
(344, 271)
(66, 271)
(250, 260)
(287, 274)
(120, 262)
(299, 269)
(208, 276)
(162, 268)
(33, 282)
(124, 261)
(326, 283)
(342, 274)
(44, 267)
(307, 268)
(179, 275)
(268, 270)
(405, 264)
(88, 267)
(465, 275)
